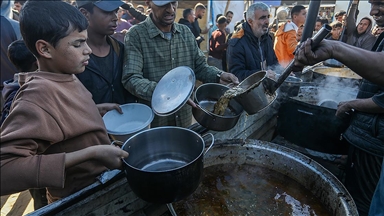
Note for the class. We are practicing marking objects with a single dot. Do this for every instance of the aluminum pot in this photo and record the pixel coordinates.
(291, 86)
(206, 96)
(254, 98)
(306, 171)
(165, 164)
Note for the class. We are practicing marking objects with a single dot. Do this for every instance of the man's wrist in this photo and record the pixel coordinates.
(218, 76)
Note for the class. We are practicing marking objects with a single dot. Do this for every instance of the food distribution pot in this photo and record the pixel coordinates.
(165, 164)
(206, 97)
(254, 97)
(306, 171)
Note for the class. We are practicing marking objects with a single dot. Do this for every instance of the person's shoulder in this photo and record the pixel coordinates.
(236, 37)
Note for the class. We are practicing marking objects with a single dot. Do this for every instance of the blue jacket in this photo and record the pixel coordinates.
(102, 89)
(243, 53)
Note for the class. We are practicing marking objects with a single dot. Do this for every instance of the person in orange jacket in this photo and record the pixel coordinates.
(285, 36)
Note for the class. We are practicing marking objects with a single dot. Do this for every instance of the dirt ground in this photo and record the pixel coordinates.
(16, 204)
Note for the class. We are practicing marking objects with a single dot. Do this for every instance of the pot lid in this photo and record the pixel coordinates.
(173, 91)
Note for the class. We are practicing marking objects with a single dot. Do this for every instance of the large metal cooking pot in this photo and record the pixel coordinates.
(335, 77)
(304, 122)
(206, 97)
(254, 98)
(165, 164)
(312, 176)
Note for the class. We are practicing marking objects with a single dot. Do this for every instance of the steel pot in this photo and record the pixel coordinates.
(254, 98)
(206, 96)
(291, 86)
(165, 164)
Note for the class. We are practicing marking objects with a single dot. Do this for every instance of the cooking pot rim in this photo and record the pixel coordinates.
(201, 154)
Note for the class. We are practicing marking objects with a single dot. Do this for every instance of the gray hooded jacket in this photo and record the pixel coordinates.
(365, 40)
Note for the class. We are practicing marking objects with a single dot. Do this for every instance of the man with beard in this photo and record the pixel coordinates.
(250, 48)
(158, 45)
(285, 36)
(199, 13)
(366, 131)
(360, 35)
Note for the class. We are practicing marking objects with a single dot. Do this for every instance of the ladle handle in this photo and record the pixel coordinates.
(210, 146)
(321, 34)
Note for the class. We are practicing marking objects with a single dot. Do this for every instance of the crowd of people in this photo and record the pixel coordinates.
(95, 55)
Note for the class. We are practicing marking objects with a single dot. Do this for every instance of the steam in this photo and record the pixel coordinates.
(337, 89)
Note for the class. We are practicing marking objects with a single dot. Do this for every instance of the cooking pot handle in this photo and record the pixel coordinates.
(213, 141)
(117, 143)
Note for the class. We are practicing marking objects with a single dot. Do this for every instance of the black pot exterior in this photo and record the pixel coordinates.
(313, 127)
(165, 164)
(166, 187)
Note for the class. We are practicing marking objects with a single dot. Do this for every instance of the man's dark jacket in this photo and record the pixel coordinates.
(244, 52)
(103, 90)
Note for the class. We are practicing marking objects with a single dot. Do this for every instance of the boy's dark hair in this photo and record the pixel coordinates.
(186, 12)
(228, 12)
(296, 10)
(342, 13)
(221, 20)
(324, 21)
(49, 21)
(336, 24)
(20, 56)
(218, 16)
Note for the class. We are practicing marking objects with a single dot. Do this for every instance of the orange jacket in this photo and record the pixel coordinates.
(285, 43)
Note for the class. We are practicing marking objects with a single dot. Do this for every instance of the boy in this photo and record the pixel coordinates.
(102, 76)
(54, 135)
(24, 61)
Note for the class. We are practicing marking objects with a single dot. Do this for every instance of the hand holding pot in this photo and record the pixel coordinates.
(227, 78)
(343, 108)
(110, 156)
(105, 107)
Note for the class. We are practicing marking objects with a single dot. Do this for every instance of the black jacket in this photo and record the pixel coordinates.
(102, 90)
(366, 130)
(243, 53)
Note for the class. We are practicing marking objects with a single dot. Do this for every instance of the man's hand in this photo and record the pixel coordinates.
(305, 56)
(105, 107)
(110, 156)
(226, 78)
(343, 108)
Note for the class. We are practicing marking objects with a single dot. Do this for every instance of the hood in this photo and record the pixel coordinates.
(9, 87)
(369, 29)
(6, 8)
(284, 27)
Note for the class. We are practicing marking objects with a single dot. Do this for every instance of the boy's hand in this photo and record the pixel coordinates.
(110, 156)
(105, 107)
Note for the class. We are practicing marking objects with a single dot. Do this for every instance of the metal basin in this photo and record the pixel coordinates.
(307, 172)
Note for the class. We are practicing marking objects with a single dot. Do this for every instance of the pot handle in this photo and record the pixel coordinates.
(117, 143)
(213, 141)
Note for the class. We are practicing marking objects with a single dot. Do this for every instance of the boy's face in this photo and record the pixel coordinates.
(71, 54)
(102, 22)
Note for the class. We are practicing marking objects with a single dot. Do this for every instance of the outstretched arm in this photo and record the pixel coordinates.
(366, 63)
